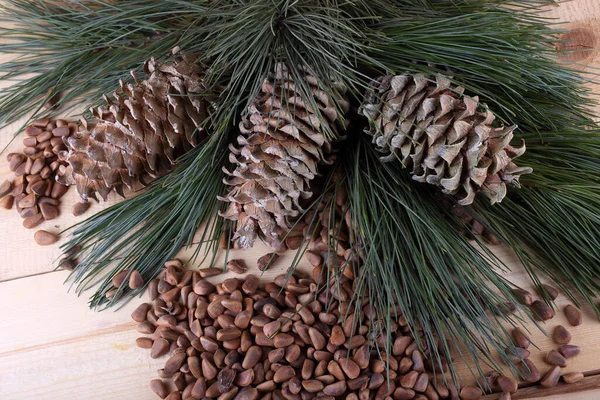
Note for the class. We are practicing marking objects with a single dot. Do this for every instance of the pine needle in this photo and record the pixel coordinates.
(142, 233)
(77, 50)
(247, 39)
(416, 260)
(505, 56)
(553, 221)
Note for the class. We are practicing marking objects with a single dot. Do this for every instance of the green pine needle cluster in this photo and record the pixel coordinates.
(75, 51)
(507, 58)
(553, 222)
(500, 50)
(414, 258)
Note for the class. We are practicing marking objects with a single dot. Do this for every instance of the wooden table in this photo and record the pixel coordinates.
(53, 347)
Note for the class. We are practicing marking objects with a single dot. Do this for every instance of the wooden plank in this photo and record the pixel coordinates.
(53, 347)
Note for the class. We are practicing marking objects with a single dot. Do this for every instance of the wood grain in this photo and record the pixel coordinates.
(53, 347)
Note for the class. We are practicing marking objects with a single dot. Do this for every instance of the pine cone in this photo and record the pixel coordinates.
(446, 138)
(139, 137)
(282, 143)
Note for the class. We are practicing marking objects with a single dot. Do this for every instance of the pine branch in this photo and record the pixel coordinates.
(246, 39)
(143, 232)
(76, 50)
(553, 222)
(415, 259)
(506, 56)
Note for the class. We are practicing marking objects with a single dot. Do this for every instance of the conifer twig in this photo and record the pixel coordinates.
(143, 232)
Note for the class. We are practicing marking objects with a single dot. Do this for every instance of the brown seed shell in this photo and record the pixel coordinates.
(551, 377)
(135, 280)
(572, 377)
(139, 314)
(529, 371)
(541, 310)
(237, 266)
(159, 348)
(507, 384)
(551, 290)
(58, 190)
(49, 212)
(5, 188)
(174, 363)
(28, 201)
(7, 202)
(61, 131)
(350, 368)
(573, 315)
(225, 379)
(199, 389)
(32, 131)
(266, 261)
(335, 389)
(119, 278)
(521, 338)
(39, 187)
(283, 374)
(569, 350)
(204, 288)
(471, 393)
(80, 208)
(144, 342)
(159, 388)
(553, 357)
(45, 238)
(561, 335)
(208, 272)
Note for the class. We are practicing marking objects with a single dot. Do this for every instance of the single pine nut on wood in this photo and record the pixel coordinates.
(541, 310)
(551, 377)
(80, 208)
(159, 388)
(237, 266)
(5, 188)
(144, 343)
(551, 290)
(521, 338)
(208, 272)
(471, 393)
(572, 377)
(267, 261)
(45, 238)
(573, 315)
(561, 335)
(555, 358)
(569, 350)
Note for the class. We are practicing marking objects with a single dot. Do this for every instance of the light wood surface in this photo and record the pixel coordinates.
(53, 347)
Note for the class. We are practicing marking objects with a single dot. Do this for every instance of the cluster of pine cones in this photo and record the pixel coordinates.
(442, 136)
